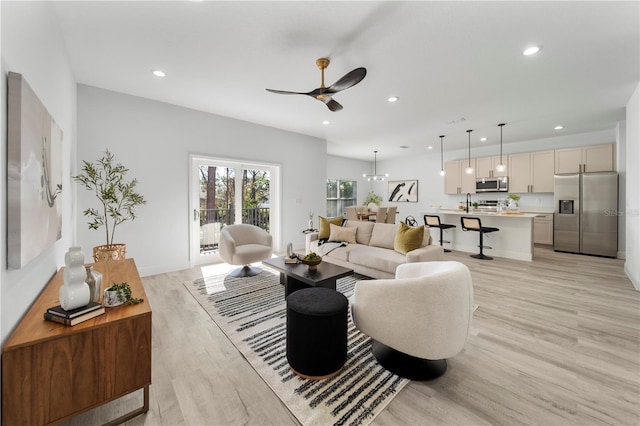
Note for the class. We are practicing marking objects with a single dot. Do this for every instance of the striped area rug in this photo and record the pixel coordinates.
(252, 313)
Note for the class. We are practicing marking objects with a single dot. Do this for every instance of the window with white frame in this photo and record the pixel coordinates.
(341, 193)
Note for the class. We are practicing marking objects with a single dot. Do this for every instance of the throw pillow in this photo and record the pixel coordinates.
(341, 234)
(408, 238)
(325, 231)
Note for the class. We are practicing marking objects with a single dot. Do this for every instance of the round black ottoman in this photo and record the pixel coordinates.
(316, 332)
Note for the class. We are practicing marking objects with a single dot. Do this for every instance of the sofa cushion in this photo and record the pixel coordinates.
(426, 240)
(376, 258)
(384, 235)
(408, 238)
(340, 233)
(325, 231)
(364, 230)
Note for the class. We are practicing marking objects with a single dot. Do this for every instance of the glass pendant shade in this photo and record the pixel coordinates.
(501, 167)
(469, 169)
(442, 171)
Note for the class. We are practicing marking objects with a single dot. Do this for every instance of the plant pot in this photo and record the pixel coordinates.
(111, 299)
(109, 252)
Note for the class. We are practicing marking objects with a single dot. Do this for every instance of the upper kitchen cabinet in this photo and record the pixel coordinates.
(596, 158)
(531, 172)
(456, 180)
(486, 167)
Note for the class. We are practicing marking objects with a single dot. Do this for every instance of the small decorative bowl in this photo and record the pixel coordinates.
(312, 264)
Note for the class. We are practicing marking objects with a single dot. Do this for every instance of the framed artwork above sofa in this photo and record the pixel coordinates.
(403, 191)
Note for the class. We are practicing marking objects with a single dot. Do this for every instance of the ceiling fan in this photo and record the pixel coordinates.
(323, 93)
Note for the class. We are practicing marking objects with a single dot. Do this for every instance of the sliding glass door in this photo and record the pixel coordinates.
(224, 192)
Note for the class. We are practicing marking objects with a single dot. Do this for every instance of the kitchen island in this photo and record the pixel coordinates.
(513, 241)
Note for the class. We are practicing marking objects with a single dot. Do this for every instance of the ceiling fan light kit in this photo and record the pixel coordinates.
(324, 94)
(375, 175)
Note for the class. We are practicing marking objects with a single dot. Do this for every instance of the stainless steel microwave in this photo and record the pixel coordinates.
(492, 184)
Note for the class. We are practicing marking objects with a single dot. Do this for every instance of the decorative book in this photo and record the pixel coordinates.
(290, 260)
(75, 320)
(58, 311)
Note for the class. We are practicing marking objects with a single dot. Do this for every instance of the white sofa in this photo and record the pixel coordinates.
(373, 254)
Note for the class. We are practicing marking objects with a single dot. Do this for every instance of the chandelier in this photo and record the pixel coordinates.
(375, 175)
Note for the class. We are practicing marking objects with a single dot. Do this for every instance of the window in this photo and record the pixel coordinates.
(340, 195)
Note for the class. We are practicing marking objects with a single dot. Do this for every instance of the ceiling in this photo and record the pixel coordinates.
(454, 65)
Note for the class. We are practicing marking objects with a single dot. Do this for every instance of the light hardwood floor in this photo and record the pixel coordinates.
(555, 341)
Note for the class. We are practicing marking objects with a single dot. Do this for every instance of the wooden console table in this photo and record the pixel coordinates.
(52, 372)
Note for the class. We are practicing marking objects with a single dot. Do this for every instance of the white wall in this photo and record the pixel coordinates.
(32, 45)
(154, 140)
(632, 207)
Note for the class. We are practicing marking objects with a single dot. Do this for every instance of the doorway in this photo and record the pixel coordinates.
(224, 192)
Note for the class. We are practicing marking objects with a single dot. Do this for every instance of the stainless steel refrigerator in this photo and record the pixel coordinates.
(585, 219)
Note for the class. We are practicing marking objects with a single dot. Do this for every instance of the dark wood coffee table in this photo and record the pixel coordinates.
(298, 276)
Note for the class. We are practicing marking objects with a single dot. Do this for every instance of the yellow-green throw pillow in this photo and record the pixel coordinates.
(325, 231)
(408, 238)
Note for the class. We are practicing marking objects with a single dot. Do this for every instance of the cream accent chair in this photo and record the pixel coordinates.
(418, 319)
(352, 213)
(244, 244)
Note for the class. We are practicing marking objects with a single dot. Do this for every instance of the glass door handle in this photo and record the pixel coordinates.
(196, 215)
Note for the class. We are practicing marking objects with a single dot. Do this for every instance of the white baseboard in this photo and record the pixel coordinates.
(635, 282)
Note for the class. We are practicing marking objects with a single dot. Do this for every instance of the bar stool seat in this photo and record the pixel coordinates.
(433, 221)
(469, 223)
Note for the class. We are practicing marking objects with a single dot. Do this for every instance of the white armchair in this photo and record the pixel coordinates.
(244, 244)
(418, 319)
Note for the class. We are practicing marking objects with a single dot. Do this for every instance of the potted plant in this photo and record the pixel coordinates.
(118, 200)
(119, 294)
(372, 197)
(513, 201)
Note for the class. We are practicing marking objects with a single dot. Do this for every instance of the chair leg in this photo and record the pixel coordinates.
(442, 241)
(245, 271)
(481, 255)
(407, 366)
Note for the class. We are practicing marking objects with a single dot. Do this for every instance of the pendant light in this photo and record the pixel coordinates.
(469, 169)
(375, 175)
(442, 171)
(501, 167)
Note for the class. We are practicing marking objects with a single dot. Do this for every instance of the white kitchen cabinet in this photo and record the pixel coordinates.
(596, 158)
(531, 172)
(543, 229)
(456, 180)
(486, 166)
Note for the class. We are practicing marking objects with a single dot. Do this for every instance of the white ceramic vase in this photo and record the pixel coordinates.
(74, 292)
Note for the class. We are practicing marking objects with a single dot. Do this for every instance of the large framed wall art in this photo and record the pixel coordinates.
(403, 191)
(34, 173)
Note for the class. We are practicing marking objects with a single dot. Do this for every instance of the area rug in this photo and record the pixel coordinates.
(252, 313)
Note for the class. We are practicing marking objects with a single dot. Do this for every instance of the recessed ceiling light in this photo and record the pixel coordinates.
(159, 73)
(558, 128)
(483, 139)
(429, 147)
(531, 50)
(393, 99)
(325, 122)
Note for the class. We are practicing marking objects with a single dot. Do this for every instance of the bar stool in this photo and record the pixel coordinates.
(473, 224)
(433, 221)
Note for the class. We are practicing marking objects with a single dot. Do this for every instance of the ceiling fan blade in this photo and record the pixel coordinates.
(331, 104)
(350, 79)
(284, 92)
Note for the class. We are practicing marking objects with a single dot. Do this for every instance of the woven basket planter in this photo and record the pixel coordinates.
(109, 252)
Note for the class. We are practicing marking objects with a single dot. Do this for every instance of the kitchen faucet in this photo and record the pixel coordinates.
(468, 202)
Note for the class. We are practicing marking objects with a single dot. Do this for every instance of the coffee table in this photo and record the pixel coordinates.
(298, 276)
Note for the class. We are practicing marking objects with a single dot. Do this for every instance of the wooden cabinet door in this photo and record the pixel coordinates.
(519, 172)
(542, 168)
(452, 177)
(484, 167)
(598, 158)
(568, 160)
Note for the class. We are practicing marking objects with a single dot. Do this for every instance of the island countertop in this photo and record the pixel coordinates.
(514, 240)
